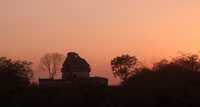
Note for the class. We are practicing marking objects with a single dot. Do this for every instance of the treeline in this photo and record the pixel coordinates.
(174, 82)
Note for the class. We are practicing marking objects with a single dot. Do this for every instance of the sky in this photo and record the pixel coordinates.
(99, 30)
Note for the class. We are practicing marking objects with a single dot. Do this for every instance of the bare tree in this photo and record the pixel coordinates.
(52, 63)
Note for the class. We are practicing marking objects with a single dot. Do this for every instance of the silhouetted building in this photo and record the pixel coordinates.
(75, 71)
(75, 67)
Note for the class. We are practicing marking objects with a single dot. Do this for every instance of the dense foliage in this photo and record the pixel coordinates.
(14, 74)
(122, 66)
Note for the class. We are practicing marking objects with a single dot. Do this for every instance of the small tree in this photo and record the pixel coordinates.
(123, 65)
(51, 62)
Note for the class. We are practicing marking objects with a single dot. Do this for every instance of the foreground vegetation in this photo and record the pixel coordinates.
(174, 82)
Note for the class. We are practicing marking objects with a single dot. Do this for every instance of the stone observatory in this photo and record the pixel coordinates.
(75, 67)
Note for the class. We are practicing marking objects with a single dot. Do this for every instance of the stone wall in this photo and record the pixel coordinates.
(75, 75)
(81, 82)
(53, 83)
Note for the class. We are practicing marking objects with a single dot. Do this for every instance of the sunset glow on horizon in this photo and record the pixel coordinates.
(99, 30)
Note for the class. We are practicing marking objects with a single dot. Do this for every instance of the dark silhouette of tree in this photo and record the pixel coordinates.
(174, 82)
(14, 74)
(178, 73)
(51, 62)
(74, 63)
(123, 65)
(185, 62)
(188, 62)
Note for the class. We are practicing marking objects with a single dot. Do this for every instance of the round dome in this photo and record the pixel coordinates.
(74, 63)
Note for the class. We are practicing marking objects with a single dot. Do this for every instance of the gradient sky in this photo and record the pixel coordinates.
(99, 29)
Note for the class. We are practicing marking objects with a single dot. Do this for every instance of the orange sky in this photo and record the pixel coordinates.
(99, 29)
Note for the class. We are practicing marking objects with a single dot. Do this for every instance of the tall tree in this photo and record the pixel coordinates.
(51, 62)
(123, 65)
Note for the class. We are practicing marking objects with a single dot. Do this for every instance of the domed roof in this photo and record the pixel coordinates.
(74, 63)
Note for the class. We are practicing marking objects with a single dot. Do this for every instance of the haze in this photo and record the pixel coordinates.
(99, 29)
